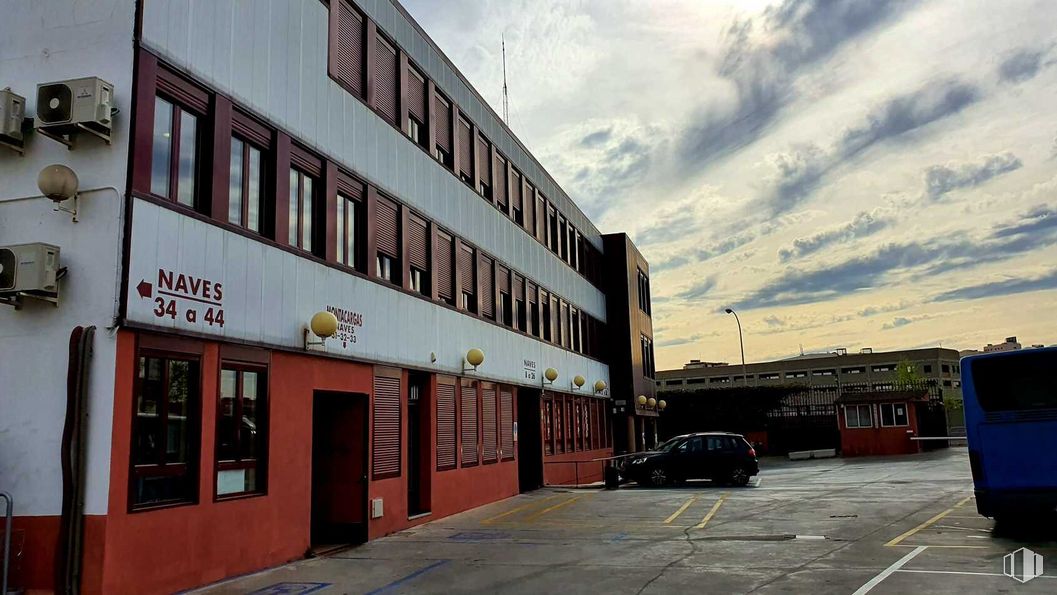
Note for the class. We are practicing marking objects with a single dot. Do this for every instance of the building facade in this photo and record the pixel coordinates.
(875, 369)
(265, 162)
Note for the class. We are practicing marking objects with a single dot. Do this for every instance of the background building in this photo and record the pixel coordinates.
(244, 167)
(876, 369)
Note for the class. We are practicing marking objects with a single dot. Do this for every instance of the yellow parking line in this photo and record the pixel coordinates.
(537, 515)
(518, 509)
(711, 513)
(927, 523)
(681, 510)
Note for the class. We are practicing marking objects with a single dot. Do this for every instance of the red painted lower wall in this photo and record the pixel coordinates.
(165, 550)
(34, 540)
(573, 468)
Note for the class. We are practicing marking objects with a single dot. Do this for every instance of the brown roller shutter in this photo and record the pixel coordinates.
(418, 243)
(541, 218)
(490, 438)
(385, 80)
(465, 149)
(415, 95)
(466, 268)
(506, 423)
(486, 275)
(565, 325)
(445, 426)
(502, 278)
(528, 194)
(445, 260)
(468, 411)
(484, 160)
(519, 286)
(515, 192)
(386, 427)
(443, 112)
(348, 58)
(386, 228)
(499, 181)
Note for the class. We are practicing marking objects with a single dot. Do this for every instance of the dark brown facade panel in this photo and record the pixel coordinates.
(346, 59)
(387, 228)
(385, 429)
(386, 73)
(418, 243)
(468, 423)
(445, 266)
(446, 426)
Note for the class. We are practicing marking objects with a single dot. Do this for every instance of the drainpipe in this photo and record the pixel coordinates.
(68, 554)
(10, 505)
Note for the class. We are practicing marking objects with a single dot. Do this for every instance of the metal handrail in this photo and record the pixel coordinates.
(9, 515)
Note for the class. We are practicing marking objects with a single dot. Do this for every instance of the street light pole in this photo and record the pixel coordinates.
(741, 340)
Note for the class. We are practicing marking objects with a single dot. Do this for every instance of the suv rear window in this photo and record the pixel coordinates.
(1023, 381)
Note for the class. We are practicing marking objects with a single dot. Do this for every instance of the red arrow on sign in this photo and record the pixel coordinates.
(144, 289)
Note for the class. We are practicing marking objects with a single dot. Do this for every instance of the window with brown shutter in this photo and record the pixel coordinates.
(486, 274)
(387, 239)
(467, 276)
(445, 266)
(465, 149)
(418, 254)
(533, 308)
(468, 421)
(385, 80)
(528, 197)
(563, 318)
(506, 423)
(349, 233)
(484, 167)
(415, 97)
(490, 440)
(345, 63)
(505, 314)
(445, 425)
(546, 324)
(499, 182)
(517, 201)
(547, 404)
(442, 116)
(541, 218)
(520, 310)
(386, 427)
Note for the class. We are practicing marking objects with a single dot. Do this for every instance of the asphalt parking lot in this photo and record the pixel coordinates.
(883, 525)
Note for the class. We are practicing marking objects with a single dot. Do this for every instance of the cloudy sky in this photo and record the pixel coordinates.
(844, 174)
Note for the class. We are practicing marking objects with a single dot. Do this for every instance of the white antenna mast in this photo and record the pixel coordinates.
(506, 106)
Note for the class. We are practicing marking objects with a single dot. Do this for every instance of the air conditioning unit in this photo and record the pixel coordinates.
(12, 113)
(29, 270)
(65, 108)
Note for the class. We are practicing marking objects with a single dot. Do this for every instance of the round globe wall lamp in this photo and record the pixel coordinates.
(661, 404)
(578, 382)
(641, 399)
(652, 402)
(473, 358)
(59, 183)
(600, 385)
(323, 325)
(550, 375)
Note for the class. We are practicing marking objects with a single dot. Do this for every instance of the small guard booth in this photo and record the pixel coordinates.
(879, 422)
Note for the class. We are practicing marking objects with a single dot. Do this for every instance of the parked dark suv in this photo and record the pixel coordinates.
(719, 456)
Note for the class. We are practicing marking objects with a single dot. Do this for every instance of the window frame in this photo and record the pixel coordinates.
(895, 417)
(260, 463)
(858, 417)
(177, 107)
(350, 191)
(190, 469)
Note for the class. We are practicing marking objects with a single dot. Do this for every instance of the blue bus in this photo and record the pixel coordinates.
(1011, 424)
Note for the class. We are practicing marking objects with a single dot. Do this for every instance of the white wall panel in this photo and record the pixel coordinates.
(278, 67)
(268, 296)
(40, 42)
